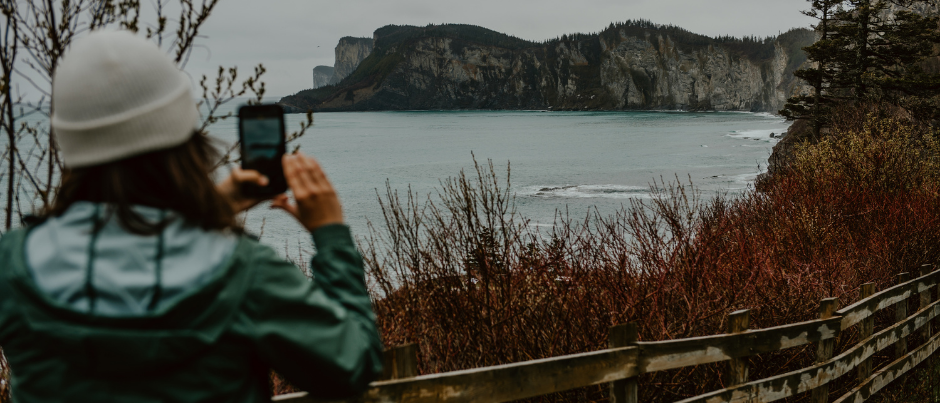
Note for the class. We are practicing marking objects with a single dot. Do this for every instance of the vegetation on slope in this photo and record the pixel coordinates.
(464, 276)
(865, 54)
(394, 36)
(750, 47)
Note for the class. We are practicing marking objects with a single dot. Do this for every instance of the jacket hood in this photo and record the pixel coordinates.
(118, 303)
(115, 273)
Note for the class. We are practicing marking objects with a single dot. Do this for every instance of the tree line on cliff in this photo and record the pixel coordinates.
(868, 52)
(540, 62)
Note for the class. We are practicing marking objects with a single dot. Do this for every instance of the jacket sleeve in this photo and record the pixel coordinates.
(321, 334)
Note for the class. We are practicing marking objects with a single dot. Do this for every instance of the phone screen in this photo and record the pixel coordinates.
(261, 137)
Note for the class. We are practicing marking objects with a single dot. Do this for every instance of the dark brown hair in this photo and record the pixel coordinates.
(176, 179)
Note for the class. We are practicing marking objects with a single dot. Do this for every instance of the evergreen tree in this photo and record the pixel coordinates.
(884, 48)
(864, 53)
(823, 55)
(906, 82)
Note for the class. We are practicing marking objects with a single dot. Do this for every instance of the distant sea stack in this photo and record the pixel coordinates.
(628, 66)
(322, 76)
(349, 53)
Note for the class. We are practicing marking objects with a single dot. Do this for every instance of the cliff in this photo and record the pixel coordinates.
(322, 75)
(349, 53)
(634, 65)
(919, 7)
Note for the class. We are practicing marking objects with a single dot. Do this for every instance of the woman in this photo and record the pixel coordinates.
(138, 285)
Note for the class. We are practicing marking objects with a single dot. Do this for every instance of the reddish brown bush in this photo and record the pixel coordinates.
(463, 275)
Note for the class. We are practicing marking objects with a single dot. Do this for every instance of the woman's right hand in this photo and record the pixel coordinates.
(316, 201)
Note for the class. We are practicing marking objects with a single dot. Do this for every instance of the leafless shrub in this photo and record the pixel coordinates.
(464, 276)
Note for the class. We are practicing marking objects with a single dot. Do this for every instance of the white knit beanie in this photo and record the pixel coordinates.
(116, 95)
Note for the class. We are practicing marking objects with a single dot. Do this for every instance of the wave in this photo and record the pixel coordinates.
(770, 115)
(734, 183)
(746, 178)
(758, 134)
(744, 181)
(737, 178)
(586, 191)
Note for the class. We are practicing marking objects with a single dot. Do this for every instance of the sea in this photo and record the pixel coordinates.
(573, 163)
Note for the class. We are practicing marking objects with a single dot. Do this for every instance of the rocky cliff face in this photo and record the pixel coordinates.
(322, 75)
(919, 7)
(639, 66)
(349, 53)
(653, 72)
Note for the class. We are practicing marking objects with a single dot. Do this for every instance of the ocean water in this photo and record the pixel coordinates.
(560, 161)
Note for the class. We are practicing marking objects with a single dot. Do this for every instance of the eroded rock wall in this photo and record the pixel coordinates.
(616, 70)
(349, 53)
(653, 73)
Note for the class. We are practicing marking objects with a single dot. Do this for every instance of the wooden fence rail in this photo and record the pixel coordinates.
(625, 358)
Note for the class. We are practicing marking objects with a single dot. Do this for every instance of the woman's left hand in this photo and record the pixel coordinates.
(231, 188)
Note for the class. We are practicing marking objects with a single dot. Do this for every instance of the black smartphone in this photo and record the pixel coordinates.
(261, 134)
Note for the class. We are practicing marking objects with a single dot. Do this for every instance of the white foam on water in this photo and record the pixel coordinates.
(586, 191)
(732, 183)
(758, 134)
(741, 182)
(746, 178)
(770, 115)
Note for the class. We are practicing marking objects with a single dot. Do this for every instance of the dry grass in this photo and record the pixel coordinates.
(463, 275)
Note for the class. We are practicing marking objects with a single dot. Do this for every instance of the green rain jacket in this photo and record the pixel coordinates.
(183, 316)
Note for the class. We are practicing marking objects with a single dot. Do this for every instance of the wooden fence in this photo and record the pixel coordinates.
(626, 358)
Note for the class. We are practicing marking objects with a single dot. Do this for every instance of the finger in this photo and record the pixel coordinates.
(292, 172)
(280, 201)
(316, 174)
(249, 176)
(283, 202)
(305, 180)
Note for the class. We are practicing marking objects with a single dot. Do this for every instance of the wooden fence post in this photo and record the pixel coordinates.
(865, 328)
(624, 390)
(900, 313)
(400, 362)
(738, 322)
(926, 298)
(825, 348)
